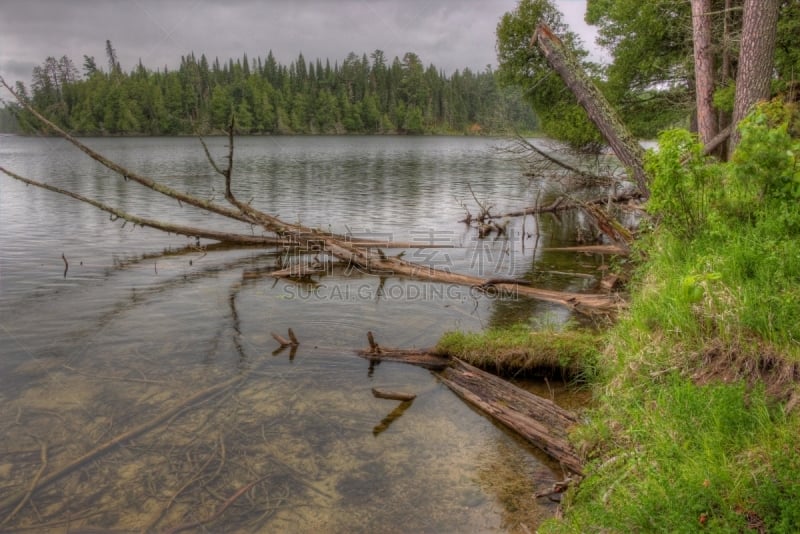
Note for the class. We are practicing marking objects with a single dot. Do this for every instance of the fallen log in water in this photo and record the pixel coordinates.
(392, 395)
(540, 421)
(591, 249)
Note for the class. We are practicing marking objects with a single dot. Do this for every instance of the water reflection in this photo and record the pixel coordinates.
(160, 349)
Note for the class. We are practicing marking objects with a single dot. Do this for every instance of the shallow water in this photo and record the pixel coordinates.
(141, 322)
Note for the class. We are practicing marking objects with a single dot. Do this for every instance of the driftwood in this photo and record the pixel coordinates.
(591, 249)
(224, 237)
(562, 204)
(291, 342)
(538, 420)
(393, 416)
(421, 358)
(392, 395)
(297, 271)
(601, 113)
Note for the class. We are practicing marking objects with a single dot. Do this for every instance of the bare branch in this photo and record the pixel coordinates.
(190, 231)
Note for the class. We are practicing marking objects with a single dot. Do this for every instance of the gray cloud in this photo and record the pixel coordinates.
(451, 34)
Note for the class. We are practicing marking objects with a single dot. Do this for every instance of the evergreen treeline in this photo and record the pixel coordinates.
(360, 95)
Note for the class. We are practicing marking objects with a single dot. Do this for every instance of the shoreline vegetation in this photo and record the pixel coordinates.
(693, 419)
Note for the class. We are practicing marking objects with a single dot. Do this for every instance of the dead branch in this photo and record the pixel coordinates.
(112, 444)
(538, 420)
(291, 342)
(297, 271)
(619, 235)
(292, 337)
(545, 160)
(393, 416)
(392, 395)
(563, 204)
(33, 486)
(225, 237)
(197, 476)
(422, 358)
(591, 249)
(219, 511)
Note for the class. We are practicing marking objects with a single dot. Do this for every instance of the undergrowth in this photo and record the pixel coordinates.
(695, 426)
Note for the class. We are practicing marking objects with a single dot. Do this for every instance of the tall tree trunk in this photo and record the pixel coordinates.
(618, 136)
(759, 31)
(703, 70)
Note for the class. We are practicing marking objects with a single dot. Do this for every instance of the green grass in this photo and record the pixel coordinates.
(572, 353)
(696, 422)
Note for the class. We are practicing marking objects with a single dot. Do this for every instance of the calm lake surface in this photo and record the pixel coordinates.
(143, 321)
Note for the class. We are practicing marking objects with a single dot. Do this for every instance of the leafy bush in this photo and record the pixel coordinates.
(683, 182)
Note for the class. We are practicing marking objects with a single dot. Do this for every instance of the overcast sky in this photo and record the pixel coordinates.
(451, 34)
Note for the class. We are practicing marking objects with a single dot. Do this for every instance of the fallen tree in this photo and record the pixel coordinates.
(540, 421)
(600, 111)
(365, 255)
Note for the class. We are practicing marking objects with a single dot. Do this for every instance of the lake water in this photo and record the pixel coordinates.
(142, 321)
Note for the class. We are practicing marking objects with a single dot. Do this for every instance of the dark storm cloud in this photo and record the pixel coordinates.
(451, 34)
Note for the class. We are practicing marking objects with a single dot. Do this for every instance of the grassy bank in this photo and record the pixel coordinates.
(696, 424)
(572, 354)
(695, 420)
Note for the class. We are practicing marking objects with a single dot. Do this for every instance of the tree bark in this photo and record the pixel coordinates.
(756, 58)
(619, 138)
(540, 421)
(703, 70)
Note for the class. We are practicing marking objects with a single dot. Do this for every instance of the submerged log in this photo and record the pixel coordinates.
(390, 418)
(392, 395)
(540, 421)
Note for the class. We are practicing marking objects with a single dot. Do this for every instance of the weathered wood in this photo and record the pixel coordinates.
(393, 416)
(540, 421)
(392, 395)
(280, 339)
(591, 249)
(292, 337)
(420, 358)
(297, 271)
(561, 204)
(291, 342)
(190, 231)
(600, 111)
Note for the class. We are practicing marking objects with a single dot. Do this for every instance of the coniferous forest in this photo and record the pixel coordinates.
(364, 95)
